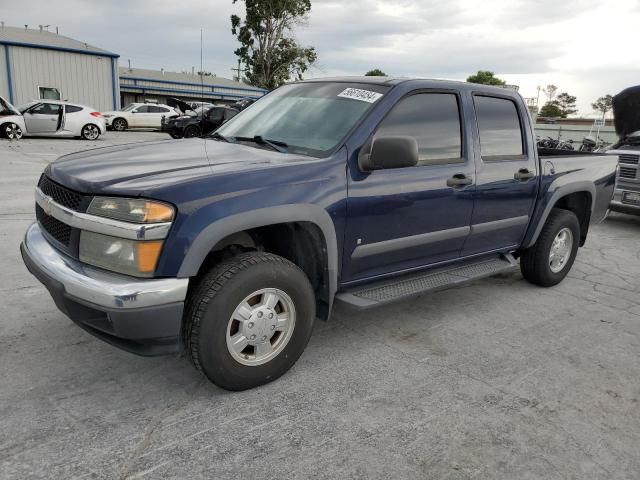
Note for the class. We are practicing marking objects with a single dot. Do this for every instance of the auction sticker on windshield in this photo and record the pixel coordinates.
(359, 94)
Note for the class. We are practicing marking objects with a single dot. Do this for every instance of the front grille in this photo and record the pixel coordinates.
(632, 159)
(58, 230)
(60, 194)
(628, 172)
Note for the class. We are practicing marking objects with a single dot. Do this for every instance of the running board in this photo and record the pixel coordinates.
(381, 293)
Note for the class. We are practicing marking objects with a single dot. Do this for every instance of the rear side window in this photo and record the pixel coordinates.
(433, 119)
(499, 127)
(72, 109)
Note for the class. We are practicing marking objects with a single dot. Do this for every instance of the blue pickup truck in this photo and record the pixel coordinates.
(355, 190)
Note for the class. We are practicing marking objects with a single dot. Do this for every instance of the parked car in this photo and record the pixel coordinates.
(139, 115)
(358, 190)
(50, 118)
(204, 121)
(626, 110)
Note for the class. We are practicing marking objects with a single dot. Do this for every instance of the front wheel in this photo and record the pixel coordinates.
(12, 131)
(192, 131)
(549, 260)
(90, 132)
(249, 320)
(119, 124)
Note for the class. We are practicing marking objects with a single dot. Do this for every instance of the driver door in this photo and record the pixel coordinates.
(43, 118)
(400, 219)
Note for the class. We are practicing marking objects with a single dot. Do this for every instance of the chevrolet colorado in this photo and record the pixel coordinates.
(357, 190)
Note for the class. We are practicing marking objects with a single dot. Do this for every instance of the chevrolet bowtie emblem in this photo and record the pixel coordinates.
(46, 206)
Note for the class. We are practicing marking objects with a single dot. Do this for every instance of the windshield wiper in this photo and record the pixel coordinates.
(220, 137)
(277, 145)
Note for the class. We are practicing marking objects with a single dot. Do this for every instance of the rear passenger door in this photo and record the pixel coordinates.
(405, 218)
(506, 175)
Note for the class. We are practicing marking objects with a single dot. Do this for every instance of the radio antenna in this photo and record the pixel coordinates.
(201, 86)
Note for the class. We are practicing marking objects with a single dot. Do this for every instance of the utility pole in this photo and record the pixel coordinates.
(238, 70)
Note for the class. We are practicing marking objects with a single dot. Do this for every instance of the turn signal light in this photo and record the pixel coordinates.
(147, 256)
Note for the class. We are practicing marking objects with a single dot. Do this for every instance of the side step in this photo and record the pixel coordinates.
(380, 293)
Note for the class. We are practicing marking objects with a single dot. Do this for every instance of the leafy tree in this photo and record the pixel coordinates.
(376, 72)
(267, 47)
(550, 91)
(550, 109)
(485, 77)
(566, 103)
(603, 104)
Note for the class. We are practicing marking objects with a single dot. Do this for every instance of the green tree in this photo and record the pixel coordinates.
(376, 72)
(485, 77)
(550, 109)
(267, 48)
(603, 104)
(566, 103)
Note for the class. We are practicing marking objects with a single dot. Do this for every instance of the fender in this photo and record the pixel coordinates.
(555, 192)
(306, 212)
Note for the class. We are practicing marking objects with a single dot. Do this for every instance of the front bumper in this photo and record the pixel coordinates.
(617, 205)
(140, 316)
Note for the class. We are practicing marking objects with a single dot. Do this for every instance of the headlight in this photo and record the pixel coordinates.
(134, 210)
(131, 257)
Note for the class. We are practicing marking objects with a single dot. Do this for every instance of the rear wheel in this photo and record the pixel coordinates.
(11, 130)
(192, 131)
(90, 132)
(249, 320)
(119, 124)
(549, 260)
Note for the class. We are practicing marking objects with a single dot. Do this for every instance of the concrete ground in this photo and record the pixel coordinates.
(495, 380)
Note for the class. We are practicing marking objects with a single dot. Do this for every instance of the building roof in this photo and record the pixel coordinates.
(49, 40)
(186, 78)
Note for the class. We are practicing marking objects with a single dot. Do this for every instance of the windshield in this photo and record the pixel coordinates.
(310, 118)
(129, 107)
(204, 109)
(26, 106)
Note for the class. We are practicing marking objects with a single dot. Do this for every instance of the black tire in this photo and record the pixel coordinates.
(212, 303)
(11, 131)
(175, 136)
(535, 262)
(119, 124)
(90, 132)
(192, 131)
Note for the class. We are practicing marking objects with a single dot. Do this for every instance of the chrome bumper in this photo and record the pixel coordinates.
(99, 288)
(618, 206)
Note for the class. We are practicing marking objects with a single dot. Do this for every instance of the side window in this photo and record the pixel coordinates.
(49, 93)
(72, 109)
(230, 113)
(499, 127)
(154, 109)
(215, 114)
(433, 119)
(46, 109)
(143, 109)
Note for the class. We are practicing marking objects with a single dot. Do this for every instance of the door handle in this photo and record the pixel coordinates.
(459, 180)
(524, 174)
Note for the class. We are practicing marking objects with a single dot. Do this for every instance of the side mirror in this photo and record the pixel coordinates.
(389, 152)
(134, 111)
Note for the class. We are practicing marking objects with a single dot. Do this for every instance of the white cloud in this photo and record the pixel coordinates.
(586, 47)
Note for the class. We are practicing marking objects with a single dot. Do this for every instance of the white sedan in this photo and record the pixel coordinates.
(50, 118)
(139, 115)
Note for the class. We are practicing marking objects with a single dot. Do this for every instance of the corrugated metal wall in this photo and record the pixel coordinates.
(84, 79)
(4, 86)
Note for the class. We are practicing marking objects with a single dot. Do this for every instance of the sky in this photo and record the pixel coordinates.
(587, 48)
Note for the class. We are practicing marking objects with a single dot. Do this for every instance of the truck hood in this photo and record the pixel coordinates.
(626, 112)
(140, 168)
